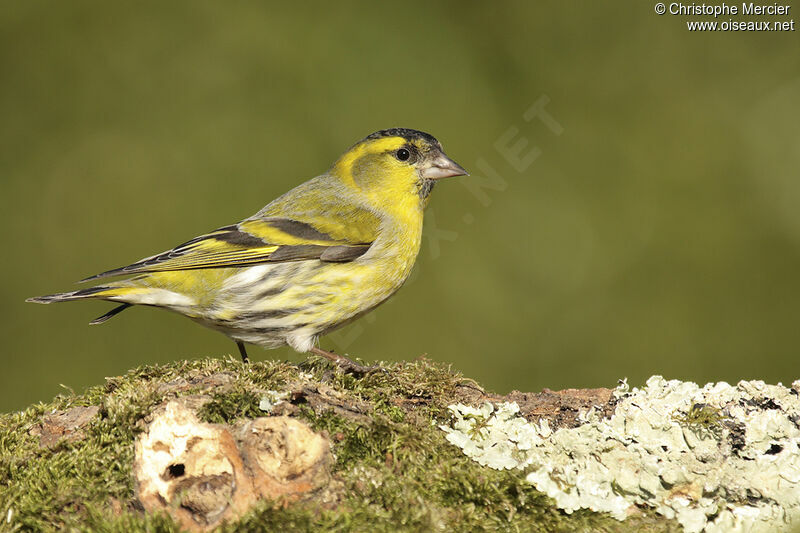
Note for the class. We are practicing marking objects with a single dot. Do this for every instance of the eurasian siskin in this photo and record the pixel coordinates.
(318, 257)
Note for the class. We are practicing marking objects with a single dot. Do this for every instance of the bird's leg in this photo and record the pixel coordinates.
(242, 351)
(343, 362)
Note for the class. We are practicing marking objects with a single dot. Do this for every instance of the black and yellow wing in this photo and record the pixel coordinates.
(254, 241)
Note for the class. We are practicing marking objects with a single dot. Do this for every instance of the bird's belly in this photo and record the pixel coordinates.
(276, 304)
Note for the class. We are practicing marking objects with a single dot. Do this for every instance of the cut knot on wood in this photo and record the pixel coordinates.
(206, 474)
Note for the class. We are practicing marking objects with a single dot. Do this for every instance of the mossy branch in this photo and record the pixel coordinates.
(382, 462)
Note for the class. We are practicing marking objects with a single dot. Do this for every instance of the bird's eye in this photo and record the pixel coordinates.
(402, 154)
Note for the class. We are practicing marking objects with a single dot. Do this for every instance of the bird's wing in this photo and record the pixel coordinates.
(260, 240)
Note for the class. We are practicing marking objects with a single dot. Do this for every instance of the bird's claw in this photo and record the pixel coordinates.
(350, 367)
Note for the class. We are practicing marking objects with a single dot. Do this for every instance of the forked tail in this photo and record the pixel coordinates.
(91, 292)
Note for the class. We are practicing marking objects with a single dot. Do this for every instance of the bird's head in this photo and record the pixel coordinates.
(395, 168)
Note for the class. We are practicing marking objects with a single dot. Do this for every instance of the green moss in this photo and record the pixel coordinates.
(703, 419)
(398, 472)
(228, 406)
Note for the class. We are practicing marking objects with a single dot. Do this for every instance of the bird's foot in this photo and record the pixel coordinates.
(242, 352)
(348, 366)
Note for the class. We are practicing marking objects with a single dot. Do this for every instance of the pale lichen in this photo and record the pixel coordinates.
(715, 458)
(271, 399)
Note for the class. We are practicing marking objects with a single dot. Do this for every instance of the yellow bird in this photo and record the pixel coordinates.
(311, 261)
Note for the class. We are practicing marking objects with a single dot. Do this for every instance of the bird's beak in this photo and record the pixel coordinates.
(442, 167)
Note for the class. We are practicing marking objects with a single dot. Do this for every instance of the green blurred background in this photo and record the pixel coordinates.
(658, 233)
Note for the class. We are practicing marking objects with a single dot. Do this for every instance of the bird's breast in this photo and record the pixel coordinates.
(393, 254)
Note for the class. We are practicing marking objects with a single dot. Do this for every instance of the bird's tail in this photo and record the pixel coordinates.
(91, 292)
(101, 292)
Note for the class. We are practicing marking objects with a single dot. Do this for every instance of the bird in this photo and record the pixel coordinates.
(311, 261)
